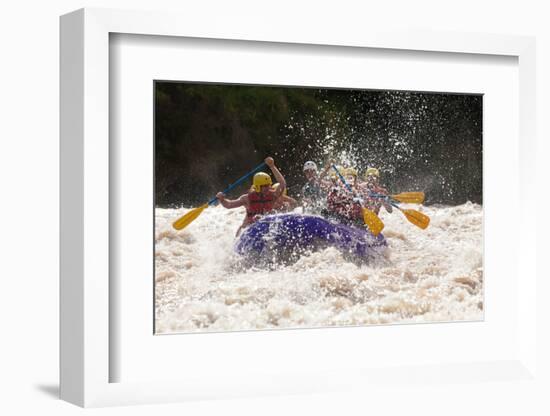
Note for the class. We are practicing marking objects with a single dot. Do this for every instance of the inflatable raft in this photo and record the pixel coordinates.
(284, 237)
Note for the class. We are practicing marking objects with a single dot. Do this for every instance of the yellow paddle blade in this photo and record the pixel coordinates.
(410, 197)
(188, 217)
(372, 220)
(416, 217)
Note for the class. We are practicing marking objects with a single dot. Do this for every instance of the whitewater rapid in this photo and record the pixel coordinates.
(425, 276)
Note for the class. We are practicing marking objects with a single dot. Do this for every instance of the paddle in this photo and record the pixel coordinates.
(405, 197)
(410, 197)
(416, 217)
(192, 215)
(374, 223)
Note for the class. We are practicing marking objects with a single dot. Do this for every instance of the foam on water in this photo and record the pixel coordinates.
(425, 276)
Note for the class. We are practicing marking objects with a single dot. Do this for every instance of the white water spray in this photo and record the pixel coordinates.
(427, 276)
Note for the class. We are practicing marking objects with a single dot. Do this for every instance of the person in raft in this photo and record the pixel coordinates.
(285, 203)
(261, 197)
(315, 190)
(372, 186)
(345, 206)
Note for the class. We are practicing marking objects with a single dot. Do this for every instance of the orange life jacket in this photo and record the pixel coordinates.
(259, 204)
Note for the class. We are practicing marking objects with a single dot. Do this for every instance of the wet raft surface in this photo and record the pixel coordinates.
(423, 276)
(284, 238)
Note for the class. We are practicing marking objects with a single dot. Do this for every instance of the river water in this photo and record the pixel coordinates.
(424, 276)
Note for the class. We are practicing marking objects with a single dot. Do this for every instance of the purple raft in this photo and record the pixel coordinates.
(284, 237)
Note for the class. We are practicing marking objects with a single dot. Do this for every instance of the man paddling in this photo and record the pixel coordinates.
(343, 205)
(372, 186)
(315, 189)
(260, 199)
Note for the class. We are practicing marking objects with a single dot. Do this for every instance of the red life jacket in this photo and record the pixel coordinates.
(259, 204)
(341, 203)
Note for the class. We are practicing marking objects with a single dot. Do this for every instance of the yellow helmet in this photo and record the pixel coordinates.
(350, 172)
(372, 172)
(260, 179)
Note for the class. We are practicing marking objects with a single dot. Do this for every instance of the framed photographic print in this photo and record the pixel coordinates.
(327, 250)
(252, 214)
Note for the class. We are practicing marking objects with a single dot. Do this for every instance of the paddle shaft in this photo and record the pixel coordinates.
(382, 196)
(238, 182)
(342, 179)
(387, 198)
(394, 204)
(377, 195)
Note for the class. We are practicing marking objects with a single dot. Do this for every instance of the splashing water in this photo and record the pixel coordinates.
(425, 276)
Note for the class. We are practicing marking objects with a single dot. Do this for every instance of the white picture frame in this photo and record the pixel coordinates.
(86, 356)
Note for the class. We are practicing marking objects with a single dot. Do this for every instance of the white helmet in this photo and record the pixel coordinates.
(309, 165)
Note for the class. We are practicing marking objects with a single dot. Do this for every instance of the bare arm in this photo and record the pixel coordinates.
(278, 176)
(291, 201)
(232, 203)
(325, 184)
(326, 169)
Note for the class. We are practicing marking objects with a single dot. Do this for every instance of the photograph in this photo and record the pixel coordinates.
(292, 207)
